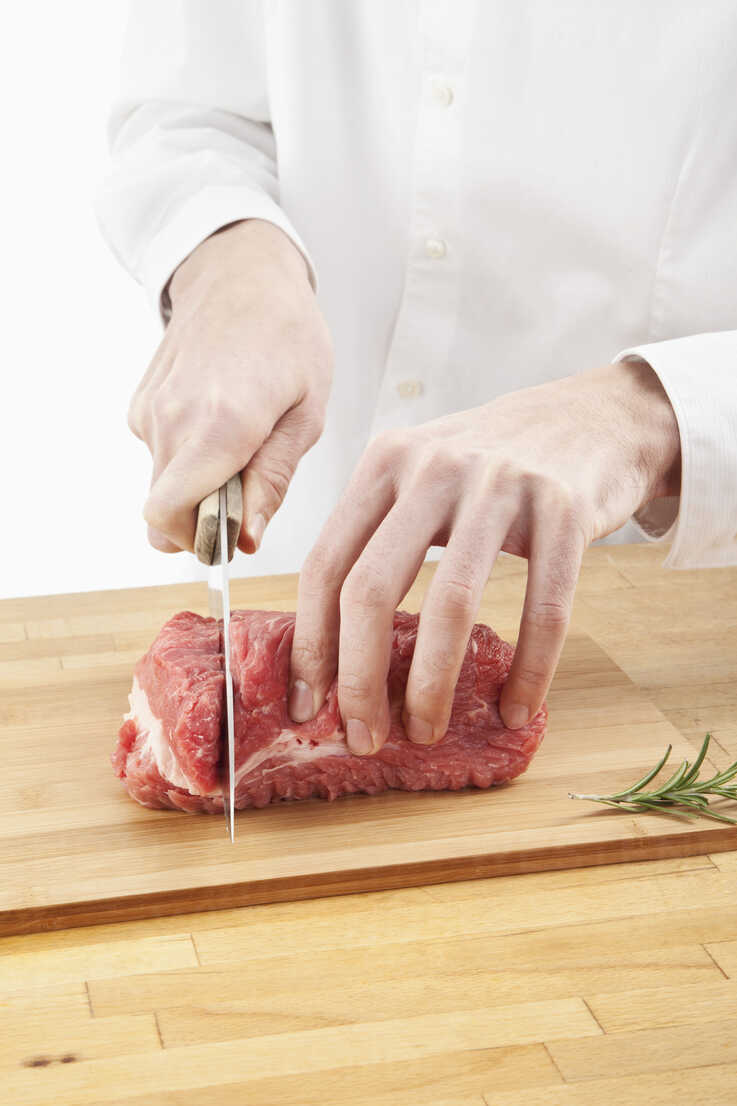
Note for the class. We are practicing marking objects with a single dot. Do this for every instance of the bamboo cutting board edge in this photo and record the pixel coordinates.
(331, 884)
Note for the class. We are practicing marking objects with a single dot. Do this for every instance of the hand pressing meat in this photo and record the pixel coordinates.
(169, 748)
(239, 382)
(540, 473)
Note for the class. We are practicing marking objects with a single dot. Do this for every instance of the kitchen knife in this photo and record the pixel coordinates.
(218, 525)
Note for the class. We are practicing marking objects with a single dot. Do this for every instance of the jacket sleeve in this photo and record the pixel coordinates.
(699, 375)
(190, 135)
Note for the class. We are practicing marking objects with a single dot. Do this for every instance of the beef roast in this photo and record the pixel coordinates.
(168, 750)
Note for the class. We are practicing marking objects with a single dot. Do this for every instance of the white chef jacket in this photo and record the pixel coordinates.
(493, 194)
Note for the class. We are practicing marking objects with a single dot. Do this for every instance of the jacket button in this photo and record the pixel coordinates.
(435, 248)
(408, 389)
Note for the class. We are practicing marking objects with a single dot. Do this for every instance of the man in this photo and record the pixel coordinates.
(522, 217)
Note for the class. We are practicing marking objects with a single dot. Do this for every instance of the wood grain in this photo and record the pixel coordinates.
(647, 1050)
(620, 978)
(77, 851)
(313, 1051)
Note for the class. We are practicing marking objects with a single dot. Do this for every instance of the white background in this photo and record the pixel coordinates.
(77, 332)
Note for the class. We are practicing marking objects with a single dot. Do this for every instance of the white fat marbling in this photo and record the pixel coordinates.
(287, 747)
(154, 742)
(291, 752)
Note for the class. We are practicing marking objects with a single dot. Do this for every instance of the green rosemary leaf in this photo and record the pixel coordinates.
(709, 813)
(693, 797)
(641, 807)
(699, 760)
(699, 803)
(675, 780)
(720, 778)
(724, 792)
(645, 779)
(682, 794)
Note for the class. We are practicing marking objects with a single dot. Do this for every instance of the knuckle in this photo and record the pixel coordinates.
(354, 686)
(319, 570)
(450, 463)
(386, 451)
(134, 417)
(457, 599)
(159, 541)
(436, 664)
(440, 466)
(217, 412)
(165, 406)
(365, 587)
(276, 477)
(531, 674)
(573, 509)
(566, 498)
(310, 653)
(549, 613)
(432, 684)
(548, 487)
(501, 475)
(155, 515)
(568, 505)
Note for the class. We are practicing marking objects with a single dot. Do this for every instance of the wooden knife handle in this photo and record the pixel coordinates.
(207, 532)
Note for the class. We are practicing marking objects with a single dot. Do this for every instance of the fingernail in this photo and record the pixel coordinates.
(256, 528)
(516, 716)
(359, 737)
(300, 702)
(418, 730)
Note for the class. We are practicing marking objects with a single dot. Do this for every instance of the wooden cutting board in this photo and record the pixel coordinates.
(75, 850)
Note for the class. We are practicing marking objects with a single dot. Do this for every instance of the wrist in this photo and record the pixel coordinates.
(655, 436)
(250, 250)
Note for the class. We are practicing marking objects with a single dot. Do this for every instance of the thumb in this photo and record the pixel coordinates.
(268, 474)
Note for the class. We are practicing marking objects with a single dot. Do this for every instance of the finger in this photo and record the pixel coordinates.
(364, 503)
(369, 597)
(199, 466)
(554, 564)
(161, 542)
(448, 614)
(270, 470)
(156, 539)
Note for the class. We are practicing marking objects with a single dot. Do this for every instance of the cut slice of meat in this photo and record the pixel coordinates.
(169, 745)
(172, 732)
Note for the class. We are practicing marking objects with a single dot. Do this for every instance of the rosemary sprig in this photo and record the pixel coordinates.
(682, 793)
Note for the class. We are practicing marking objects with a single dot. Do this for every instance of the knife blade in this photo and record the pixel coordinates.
(218, 525)
(224, 594)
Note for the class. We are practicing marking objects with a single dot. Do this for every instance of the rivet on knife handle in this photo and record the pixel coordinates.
(207, 536)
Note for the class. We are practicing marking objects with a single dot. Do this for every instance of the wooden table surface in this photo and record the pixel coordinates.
(615, 984)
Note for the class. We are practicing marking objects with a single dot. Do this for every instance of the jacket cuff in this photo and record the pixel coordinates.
(699, 375)
(194, 221)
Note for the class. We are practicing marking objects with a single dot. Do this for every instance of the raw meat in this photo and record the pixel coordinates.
(169, 745)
